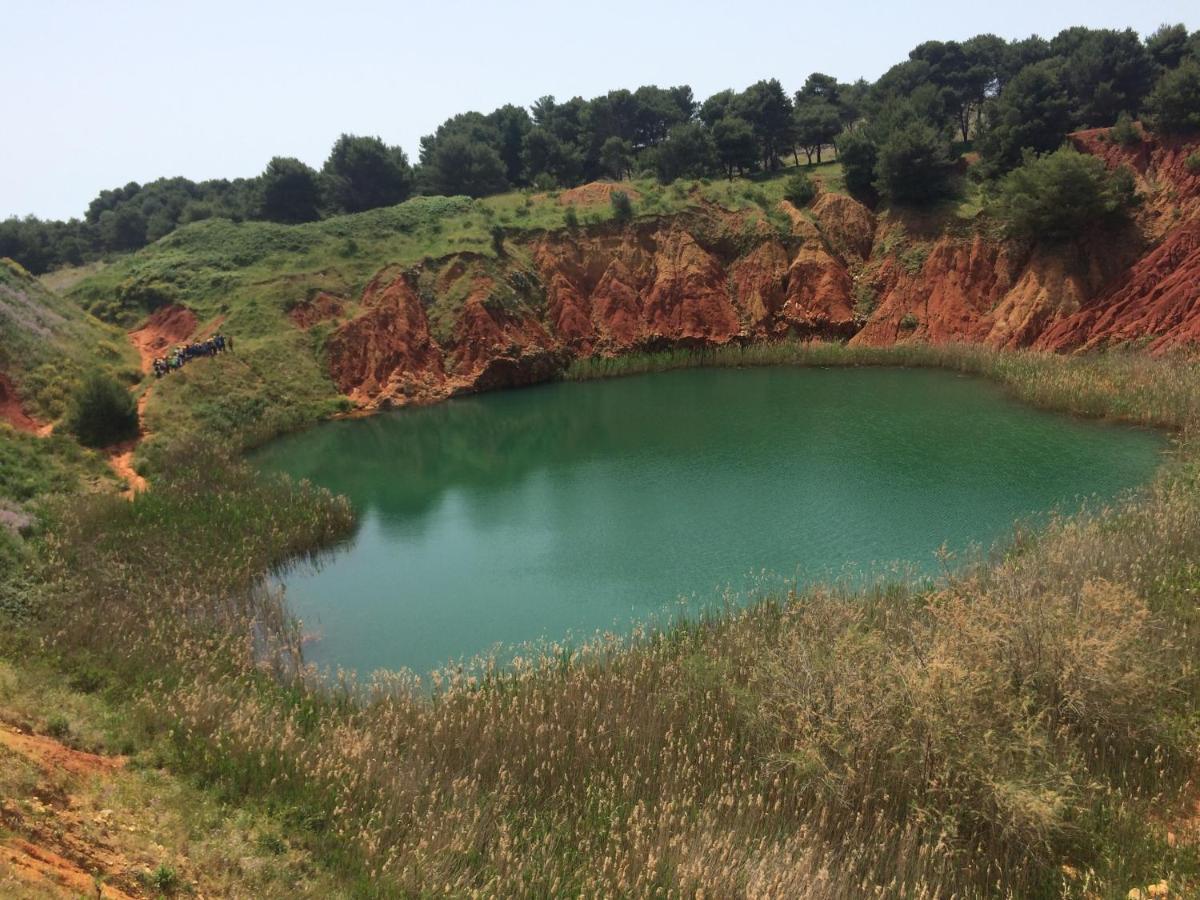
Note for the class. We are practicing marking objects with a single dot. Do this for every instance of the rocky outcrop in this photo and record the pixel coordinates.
(712, 276)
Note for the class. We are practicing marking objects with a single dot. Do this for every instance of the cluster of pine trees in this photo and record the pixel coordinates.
(898, 138)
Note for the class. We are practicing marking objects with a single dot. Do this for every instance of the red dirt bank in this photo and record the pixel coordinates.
(709, 278)
(11, 410)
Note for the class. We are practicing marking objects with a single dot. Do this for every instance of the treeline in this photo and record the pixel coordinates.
(899, 139)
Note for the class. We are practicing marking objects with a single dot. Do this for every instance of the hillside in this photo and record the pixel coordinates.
(441, 296)
(45, 342)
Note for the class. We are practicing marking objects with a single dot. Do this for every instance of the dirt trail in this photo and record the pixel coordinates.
(168, 326)
(165, 328)
(120, 460)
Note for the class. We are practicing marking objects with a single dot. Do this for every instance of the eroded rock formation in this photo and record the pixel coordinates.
(710, 276)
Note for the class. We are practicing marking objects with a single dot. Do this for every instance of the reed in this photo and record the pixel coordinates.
(1034, 711)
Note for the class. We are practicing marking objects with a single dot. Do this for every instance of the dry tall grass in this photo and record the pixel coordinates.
(1036, 711)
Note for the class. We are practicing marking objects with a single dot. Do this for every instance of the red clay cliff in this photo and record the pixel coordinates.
(709, 277)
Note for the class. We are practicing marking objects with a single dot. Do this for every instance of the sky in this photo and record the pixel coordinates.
(100, 93)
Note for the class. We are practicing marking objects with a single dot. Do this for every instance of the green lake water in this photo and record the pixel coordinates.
(554, 511)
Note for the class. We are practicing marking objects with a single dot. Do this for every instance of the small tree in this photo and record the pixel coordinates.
(1125, 132)
(858, 154)
(816, 124)
(913, 165)
(735, 143)
(1054, 198)
(571, 218)
(102, 412)
(290, 191)
(799, 189)
(622, 207)
(616, 157)
(1173, 107)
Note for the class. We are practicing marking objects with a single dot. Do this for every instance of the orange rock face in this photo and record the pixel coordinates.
(386, 354)
(711, 276)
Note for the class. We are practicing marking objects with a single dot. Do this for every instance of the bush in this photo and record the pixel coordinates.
(1192, 164)
(1125, 132)
(909, 322)
(571, 218)
(164, 879)
(147, 294)
(799, 189)
(102, 412)
(622, 207)
(497, 233)
(1055, 197)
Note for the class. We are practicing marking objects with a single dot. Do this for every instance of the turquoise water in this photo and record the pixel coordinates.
(557, 510)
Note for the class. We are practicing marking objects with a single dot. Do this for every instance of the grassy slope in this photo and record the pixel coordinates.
(46, 341)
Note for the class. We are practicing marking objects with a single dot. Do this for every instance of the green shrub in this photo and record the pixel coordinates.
(497, 233)
(57, 726)
(1055, 197)
(102, 412)
(164, 879)
(1125, 132)
(913, 258)
(571, 218)
(622, 206)
(909, 322)
(146, 294)
(1192, 163)
(87, 680)
(799, 189)
(865, 298)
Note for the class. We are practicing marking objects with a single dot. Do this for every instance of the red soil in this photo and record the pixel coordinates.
(11, 410)
(596, 192)
(166, 327)
(53, 848)
(323, 306)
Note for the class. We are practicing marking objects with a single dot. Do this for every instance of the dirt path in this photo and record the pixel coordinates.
(167, 327)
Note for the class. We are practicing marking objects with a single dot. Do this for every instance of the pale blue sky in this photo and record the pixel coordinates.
(97, 94)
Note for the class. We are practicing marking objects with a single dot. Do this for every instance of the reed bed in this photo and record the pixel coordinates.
(1027, 727)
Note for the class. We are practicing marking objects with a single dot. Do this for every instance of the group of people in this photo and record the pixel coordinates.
(185, 353)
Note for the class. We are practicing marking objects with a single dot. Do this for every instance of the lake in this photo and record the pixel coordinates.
(554, 511)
